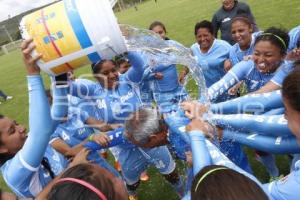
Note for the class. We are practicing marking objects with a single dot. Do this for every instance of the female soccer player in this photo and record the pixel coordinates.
(163, 80)
(24, 167)
(285, 188)
(269, 53)
(242, 34)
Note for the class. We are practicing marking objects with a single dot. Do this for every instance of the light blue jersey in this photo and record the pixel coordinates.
(23, 173)
(286, 188)
(212, 62)
(166, 91)
(243, 71)
(114, 105)
(136, 160)
(74, 131)
(212, 65)
(284, 70)
(237, 55)
(294, 38)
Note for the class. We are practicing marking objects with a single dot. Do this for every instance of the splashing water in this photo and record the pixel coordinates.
(159, 51)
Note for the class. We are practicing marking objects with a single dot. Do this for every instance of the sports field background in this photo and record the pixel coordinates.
(179, 17)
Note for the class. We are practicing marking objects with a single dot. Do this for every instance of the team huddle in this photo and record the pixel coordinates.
(144, 117)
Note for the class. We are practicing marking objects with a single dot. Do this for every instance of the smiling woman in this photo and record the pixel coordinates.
(269, 51)
(242, 34)
(210, 52)
(22, 157)
(223, 17)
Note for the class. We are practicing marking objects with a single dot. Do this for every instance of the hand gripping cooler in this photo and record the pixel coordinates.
(73, 33)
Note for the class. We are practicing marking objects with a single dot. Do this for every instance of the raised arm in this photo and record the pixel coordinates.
(205, 153)
(115, 136)
(271, 125)
(250, 103)
(276, 145)
(135, 73)
(40, 121)
(201, 156)
(233, 76)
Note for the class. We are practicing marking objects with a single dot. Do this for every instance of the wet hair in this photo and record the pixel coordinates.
(216, 182)
(277, 36)
(291, 89)
(143, 123)
(204, 24)
(244, 19)
(157, 23)
(86, 172)
(97, 66)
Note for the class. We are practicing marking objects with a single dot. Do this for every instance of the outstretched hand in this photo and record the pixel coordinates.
(193, 109)
(30, 62)
(102, 139)
(81, 157)
(200, 125)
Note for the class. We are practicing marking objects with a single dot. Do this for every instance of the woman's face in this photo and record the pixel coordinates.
(241, 34)
(204, 38)
(13, 136)
(108, 75)
(160, 31)
(293, 118)
(228, 4)
(267, 56)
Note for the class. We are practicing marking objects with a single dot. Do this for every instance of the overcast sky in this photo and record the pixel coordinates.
(15, 7)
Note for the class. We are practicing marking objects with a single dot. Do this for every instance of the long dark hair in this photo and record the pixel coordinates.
(216, 182)
(87, 173)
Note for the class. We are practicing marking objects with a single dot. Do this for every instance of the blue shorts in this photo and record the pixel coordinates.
(136, 160)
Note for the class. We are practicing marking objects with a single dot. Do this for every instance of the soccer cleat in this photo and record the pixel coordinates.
(133, 197)
(118, 166)
(104, 154)
(144, 176)
(8, 97)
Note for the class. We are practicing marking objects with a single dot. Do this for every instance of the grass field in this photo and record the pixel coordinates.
(179, 17)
